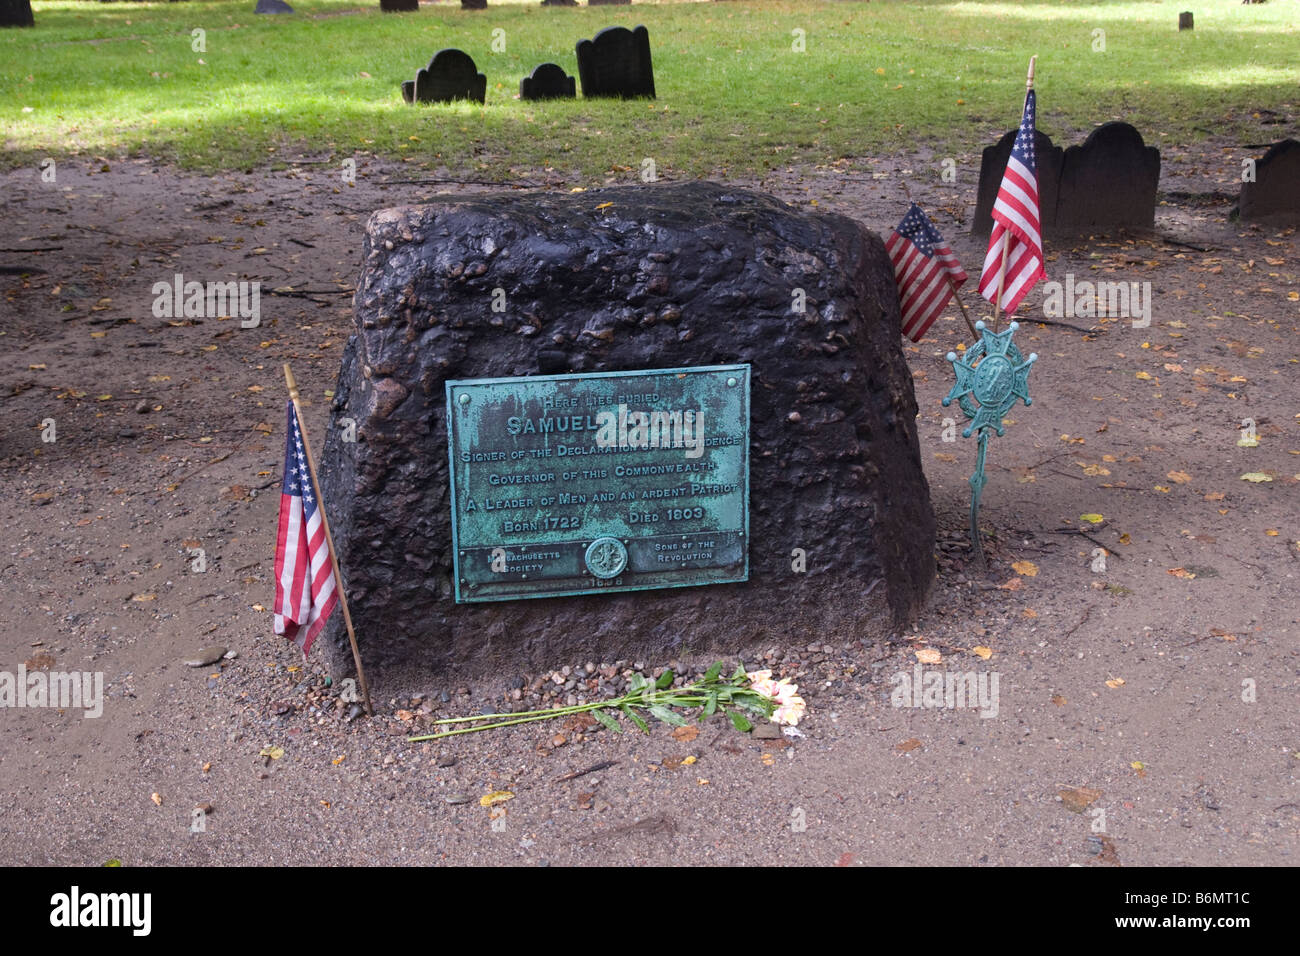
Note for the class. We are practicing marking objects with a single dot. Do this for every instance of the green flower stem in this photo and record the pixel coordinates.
(689, 696)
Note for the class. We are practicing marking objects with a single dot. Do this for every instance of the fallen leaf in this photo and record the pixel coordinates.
(1179, 477)
(1115, 682)
(1094, 470)
(1092, 518)
(1256, 477)
(1223, 634)
(908, 745)
(275, 753)
(1125, 539)
(495, 797)
(1078, 799)
(928, 655)
(1027, 568)
(984, 653)
(1012, 585)
(1182, 573)
(156, 798)
(686, 734)
(1058, 700)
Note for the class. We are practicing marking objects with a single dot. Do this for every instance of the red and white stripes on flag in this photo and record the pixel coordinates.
(923, 267)
(305, 590)
(1017, 225)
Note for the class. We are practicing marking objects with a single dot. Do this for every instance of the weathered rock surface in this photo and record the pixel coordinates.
(619, 279)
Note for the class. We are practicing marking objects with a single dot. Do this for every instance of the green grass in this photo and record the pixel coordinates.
(107, 79)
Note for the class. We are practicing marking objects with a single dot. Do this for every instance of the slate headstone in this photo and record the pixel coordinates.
(1186, 21)
(632, 277)
(1108, 184)
(272, 6)
(399, 6)
(616, 62)
(473, 4)
(608, 3)
(559, 3)
(450, 75)
(1274, 196)
(994, 164)
(547, 82)
(16, 13)
(1105, 185)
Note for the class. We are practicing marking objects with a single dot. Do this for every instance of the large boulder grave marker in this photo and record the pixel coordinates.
(450, 75)
(547, 82)
(616, 62)
(627, 279)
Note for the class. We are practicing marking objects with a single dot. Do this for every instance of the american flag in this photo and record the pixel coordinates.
(923, 264)
(305, 590)
(1016, 222)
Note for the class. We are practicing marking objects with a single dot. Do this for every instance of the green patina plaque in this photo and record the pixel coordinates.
(611, 481)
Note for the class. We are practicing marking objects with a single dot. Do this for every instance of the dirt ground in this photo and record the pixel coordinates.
(1165, 685)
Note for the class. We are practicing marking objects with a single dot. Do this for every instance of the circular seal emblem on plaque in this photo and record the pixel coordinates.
(606, 557)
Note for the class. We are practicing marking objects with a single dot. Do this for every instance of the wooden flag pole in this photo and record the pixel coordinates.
(1006, 243)
(329, 537)
(975, 336)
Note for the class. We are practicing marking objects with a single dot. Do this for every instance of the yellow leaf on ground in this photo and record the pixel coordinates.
(1092, 518)
(1125, 539)
(1182, 573)
(1115, 682)
(1096, 470)
(495, 797)
(983, 652)
(1179, 477)
(1027, 568)
(156, 798)
(928, 655)
(1256, 477)
(1145, 376)
(686, 734)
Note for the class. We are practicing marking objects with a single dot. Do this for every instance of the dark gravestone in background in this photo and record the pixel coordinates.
(664, 276)
(450, 75)
(1108, 184)
(994, 165)
(473, 4)
(616, 62)
(608, 3)
(1274, 196)
(16, 13)
(399, 6)
(559, 3)
(272, 6)
(547, 82)
(1186, 21)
